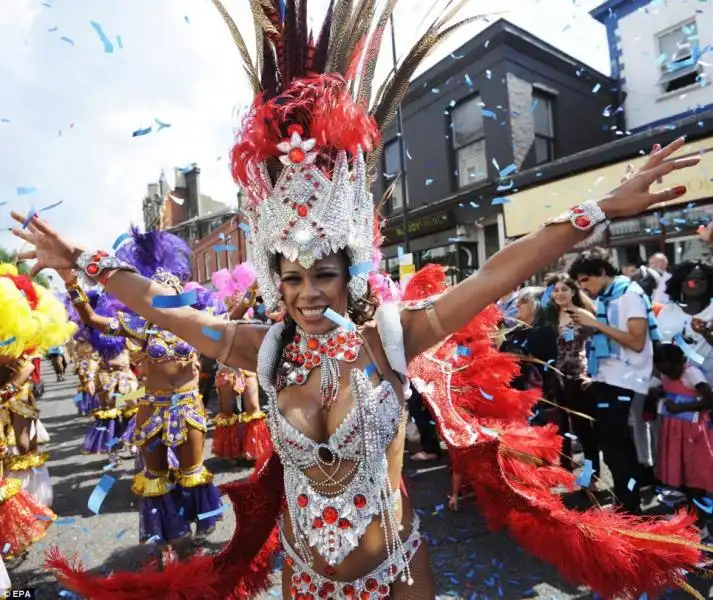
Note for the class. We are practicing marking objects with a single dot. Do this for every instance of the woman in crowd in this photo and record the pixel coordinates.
(336, 382)
(170, 414)
(574, 405)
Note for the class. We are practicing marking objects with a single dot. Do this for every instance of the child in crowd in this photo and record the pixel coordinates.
(685, 448)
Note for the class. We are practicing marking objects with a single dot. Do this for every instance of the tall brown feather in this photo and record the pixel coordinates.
(358, 29)
(302, 36)
(397, 86)
(372, 56)
(240, 43)
(337, 40)
(322, 49)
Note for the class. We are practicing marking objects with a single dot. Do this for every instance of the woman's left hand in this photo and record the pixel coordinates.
(582, 317)
(671, 406)
(634, 195)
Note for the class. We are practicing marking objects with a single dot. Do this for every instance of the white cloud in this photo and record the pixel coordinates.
(187, 74)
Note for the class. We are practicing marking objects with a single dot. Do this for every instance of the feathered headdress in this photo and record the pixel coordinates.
(108, 346)
(231, 285)
(158, 255)
(33, 319)
(314, 130)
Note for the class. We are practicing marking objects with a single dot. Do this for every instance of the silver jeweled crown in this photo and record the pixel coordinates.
(307, 216)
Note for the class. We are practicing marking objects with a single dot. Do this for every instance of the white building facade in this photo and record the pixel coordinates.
(662, 54)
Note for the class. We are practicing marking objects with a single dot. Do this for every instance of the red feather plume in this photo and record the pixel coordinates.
(25, 285)
(513, 468)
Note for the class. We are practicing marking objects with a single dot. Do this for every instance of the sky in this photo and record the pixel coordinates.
(68, 108)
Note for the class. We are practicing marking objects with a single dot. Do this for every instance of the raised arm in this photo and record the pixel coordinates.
(522, 259)
(81, 303)
(234, 344)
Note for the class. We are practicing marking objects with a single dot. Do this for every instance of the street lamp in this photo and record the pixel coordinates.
(402, 149)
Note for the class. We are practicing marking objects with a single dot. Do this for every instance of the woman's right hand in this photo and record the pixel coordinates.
(49, 248)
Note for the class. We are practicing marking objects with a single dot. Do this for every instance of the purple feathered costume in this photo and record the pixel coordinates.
(165, 258)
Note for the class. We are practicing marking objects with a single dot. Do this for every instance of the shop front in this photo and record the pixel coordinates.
(433, 239)
(669, 228)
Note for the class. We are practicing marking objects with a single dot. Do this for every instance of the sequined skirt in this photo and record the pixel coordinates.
(171, 416)
(307, 583)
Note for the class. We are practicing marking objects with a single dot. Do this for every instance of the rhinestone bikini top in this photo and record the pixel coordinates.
(159, 345)
(332, 522)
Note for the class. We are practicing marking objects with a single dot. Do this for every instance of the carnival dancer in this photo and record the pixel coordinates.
(114, 377)
(245, 435)
(23, 520)
(337, 382)
(171, 413)
(86, 365)
(50, 326)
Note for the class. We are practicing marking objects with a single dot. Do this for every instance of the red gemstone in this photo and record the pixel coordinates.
(309, 365)
(383, 589)
(312, 588)
(328, 586)
(583, 221)
(295, 128)
(344, 524)
(92, 269)
(365, 596)
(302, 500)
(302, 210)
(348, 590)
(577, 210)
(349, 355)
(312, 344)
(323, 349)
(298, 338)
(317, 523)
(371, 584)
(330, 515)
(360, 500)
(293, 592)
(295, 579)
(299, 378)
(305, 577)
(289, 562)
(297, 155)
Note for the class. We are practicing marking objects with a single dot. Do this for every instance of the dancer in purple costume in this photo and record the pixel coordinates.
(171, 413)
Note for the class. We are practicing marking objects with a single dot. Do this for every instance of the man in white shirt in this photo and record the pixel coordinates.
(659, 263)
(620, 363)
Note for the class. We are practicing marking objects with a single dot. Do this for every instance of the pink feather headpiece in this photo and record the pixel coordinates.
(233, 284)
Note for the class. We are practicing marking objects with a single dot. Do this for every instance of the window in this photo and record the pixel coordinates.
(544, 128)
(392, 170)
(468, 135)
(206, 260)
(218, 262)
(678, 56)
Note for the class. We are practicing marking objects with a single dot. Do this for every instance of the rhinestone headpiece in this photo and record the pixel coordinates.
(168, 279)
(307, 216)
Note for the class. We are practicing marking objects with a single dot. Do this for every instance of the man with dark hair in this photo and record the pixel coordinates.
(620, 363)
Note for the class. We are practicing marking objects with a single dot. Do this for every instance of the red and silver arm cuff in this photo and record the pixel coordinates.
(96, 266)
(587, 216)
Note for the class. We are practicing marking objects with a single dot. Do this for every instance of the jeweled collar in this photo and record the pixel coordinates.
(307, 351)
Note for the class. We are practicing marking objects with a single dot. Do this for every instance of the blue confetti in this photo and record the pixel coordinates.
(486, 395)
(162, 125)
(26, 190)
(52, 29)
(245, 227)
(489, 114)
(70, 41)
(108, 46)
(8, 341)
(603, 405)
(463, 351)
(339, 320)
(497, 201)
(119, 42)
(370, 369)
(224, 248)
(140, 132)
(65, 521)
(51, 206)
(585, 477)
(175, 301)
(546, 295)
(400, 251)
(30, 215)
(211, 333)
(511, 168)
(212, 513)
(187, 20)
(704, 507)
(120, 534)
(100, 493)
(624, 398)
(359, 268)
(6, 548)
(569, 335)
(631, 485)
(596, 88)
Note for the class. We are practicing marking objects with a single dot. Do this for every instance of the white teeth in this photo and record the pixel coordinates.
(313, 313)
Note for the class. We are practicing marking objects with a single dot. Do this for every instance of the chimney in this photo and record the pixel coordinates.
(192, 191)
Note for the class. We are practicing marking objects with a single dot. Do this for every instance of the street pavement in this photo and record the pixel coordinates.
(469, 561)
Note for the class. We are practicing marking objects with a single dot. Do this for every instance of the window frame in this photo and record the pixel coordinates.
(388, 181)
(477, 99)
(668, 76)
(542, 95)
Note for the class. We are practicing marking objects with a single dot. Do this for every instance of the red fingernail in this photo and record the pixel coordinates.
(656, 148)
(679, 190)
